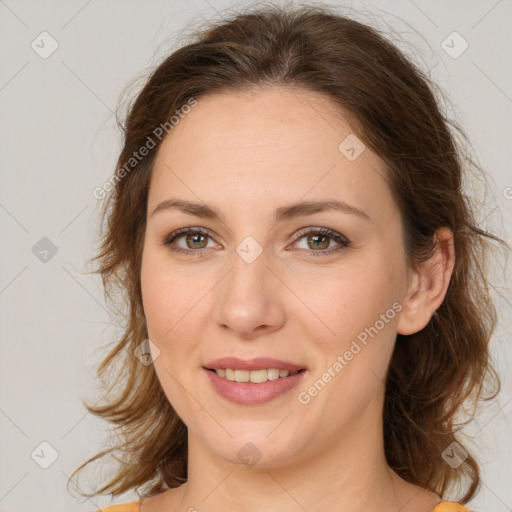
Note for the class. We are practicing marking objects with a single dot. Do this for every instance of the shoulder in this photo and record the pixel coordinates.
(451, 506)
(126, 507)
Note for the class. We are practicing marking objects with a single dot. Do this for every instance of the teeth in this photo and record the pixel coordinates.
(256, 376)
(241, 375)
(272, 374)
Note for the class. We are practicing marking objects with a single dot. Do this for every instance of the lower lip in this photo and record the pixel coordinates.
(250, 393)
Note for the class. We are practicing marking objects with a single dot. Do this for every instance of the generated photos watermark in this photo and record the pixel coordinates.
(151, 141)
(304, 397)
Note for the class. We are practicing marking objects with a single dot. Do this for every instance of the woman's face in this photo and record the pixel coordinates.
(262, 282)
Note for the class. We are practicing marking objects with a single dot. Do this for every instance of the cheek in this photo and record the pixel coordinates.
(158, 302)
(341, 303)
(174, 304)
(359, 311)
(168, 300)
(168, 296)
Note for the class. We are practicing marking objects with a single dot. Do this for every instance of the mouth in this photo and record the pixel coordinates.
(256, 370)
(255, 381)
(254, 376)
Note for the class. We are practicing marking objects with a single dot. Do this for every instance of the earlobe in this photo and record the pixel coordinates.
(429, 285)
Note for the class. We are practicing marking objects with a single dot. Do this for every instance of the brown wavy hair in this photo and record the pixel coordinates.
(392, 106)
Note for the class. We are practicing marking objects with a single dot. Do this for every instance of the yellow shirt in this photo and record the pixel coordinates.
(442, 506)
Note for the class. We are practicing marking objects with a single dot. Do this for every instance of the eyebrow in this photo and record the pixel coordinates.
(280, 214)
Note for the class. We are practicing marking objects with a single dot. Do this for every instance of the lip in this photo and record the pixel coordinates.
(250, 393)
(258, 363)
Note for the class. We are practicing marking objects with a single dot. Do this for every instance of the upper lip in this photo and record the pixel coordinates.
(258, 363)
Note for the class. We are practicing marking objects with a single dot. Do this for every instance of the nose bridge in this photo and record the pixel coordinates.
(248, 298)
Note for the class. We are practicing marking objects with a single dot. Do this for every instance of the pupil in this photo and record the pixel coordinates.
(316, 237)
(195, 235)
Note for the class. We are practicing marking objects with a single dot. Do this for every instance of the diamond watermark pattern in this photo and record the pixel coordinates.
(454, 45)
(455, 455)
(44, 455)
(249, 454)
(44, 45)
(351, 147)
(44, 250)
(249, 249)
(147, 352)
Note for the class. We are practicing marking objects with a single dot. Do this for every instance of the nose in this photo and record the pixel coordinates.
(248, 301)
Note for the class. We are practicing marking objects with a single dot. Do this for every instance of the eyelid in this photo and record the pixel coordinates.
(325, 231)
(171, 237)
(340, 239)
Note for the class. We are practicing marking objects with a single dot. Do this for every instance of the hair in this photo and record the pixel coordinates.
(392, 107)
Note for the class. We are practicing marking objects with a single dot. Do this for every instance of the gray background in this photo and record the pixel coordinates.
(59, 141)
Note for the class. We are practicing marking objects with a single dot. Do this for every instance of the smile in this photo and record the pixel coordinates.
(255, 376)
(270, 384)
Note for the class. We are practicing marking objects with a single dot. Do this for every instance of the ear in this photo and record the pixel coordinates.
(429, 285)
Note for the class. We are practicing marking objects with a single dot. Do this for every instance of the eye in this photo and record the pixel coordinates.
(321, 238)
(196, 239)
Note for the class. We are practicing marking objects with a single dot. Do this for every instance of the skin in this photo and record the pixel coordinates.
(248, 154)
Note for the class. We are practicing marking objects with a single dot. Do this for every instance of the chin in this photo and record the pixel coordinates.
(255, 450)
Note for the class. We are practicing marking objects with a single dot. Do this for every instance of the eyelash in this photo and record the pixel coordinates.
(340, 239)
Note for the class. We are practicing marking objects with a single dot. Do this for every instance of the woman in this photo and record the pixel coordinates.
(308, 307)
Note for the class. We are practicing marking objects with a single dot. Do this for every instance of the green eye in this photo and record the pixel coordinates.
(317, 239)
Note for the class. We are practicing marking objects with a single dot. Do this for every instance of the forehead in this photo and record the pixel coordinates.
(275, 145)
